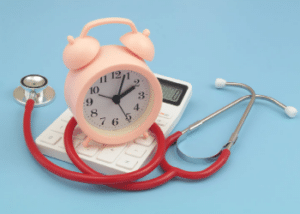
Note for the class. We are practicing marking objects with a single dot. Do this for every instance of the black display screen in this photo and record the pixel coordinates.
(173, 93)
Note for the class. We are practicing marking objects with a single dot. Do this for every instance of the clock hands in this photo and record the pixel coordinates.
(104, 96)
(128, 119)
(116, 99)
(121, 84)
(127, 91)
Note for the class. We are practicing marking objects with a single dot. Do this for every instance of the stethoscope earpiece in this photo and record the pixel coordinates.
(34, 87)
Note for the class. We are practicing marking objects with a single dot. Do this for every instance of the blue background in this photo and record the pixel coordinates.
(254, 42)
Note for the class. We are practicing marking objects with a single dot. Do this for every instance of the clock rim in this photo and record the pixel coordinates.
(125, 134)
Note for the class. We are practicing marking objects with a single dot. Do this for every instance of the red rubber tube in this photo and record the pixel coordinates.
(170, 171)
(92, 176)
(87, 178)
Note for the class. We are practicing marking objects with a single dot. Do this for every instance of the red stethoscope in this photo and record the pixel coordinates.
(128, 181)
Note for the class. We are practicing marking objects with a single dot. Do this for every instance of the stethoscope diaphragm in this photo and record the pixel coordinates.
(34, 87)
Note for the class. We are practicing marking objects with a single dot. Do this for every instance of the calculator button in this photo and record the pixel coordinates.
(79, 134)
(76, 142)
(136, 150)
(67, 116)
(165, 115)
(89, 151)
(51, 138)
(161, 122)
(110, 153)
(59, 127)
(144, 142)
(127, 162)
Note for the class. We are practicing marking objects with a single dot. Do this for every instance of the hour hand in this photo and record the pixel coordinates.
(127, 91)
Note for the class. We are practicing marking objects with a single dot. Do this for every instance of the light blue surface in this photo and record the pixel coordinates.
(254, 42)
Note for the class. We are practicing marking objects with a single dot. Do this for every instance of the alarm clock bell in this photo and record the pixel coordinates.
(83, 50)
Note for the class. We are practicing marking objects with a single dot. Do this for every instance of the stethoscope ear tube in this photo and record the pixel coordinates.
(289, 110)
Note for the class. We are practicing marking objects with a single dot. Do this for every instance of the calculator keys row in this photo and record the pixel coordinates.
(110, 153)
(145, 142)
(59, 127)
(161, 122)
(51, 138)
(136, 150)
(67, 116)
(76, 142)
(89, 151)
(165, 115)
(127, 162)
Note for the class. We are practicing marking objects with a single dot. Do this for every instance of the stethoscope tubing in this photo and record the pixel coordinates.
(88, 178)
(128, 181)
(125, 181)
(122, 181)
(170, 171)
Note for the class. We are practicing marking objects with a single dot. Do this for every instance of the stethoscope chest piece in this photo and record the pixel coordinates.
(34, 87)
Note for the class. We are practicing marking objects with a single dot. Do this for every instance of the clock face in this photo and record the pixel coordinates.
(116, 100)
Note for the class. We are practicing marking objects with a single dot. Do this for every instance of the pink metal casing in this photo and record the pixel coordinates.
(108, 59)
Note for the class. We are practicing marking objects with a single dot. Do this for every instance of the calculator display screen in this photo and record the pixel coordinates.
(173, 93)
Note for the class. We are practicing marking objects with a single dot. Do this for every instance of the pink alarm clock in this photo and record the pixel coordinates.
(112, 93)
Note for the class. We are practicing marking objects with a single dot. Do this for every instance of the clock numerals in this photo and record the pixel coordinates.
(115, 121)
(117, 100)
(102, 120)
(128, 117)
(89, 101)
(94, 90)
(116, 75)
(137, 82)
(103, 79)
(136, 107)
(141, 95)
(94, 113)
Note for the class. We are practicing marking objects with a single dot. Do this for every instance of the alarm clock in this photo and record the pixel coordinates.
(112, 93)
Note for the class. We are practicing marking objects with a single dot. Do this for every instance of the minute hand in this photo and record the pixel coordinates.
(127, 91)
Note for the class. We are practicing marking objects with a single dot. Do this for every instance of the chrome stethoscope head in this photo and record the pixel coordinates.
(34, 87)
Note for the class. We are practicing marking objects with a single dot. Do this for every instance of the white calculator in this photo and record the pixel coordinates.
(123, 158)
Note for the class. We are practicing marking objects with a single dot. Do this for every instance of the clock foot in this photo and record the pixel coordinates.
(145, 135)
(85, 143)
